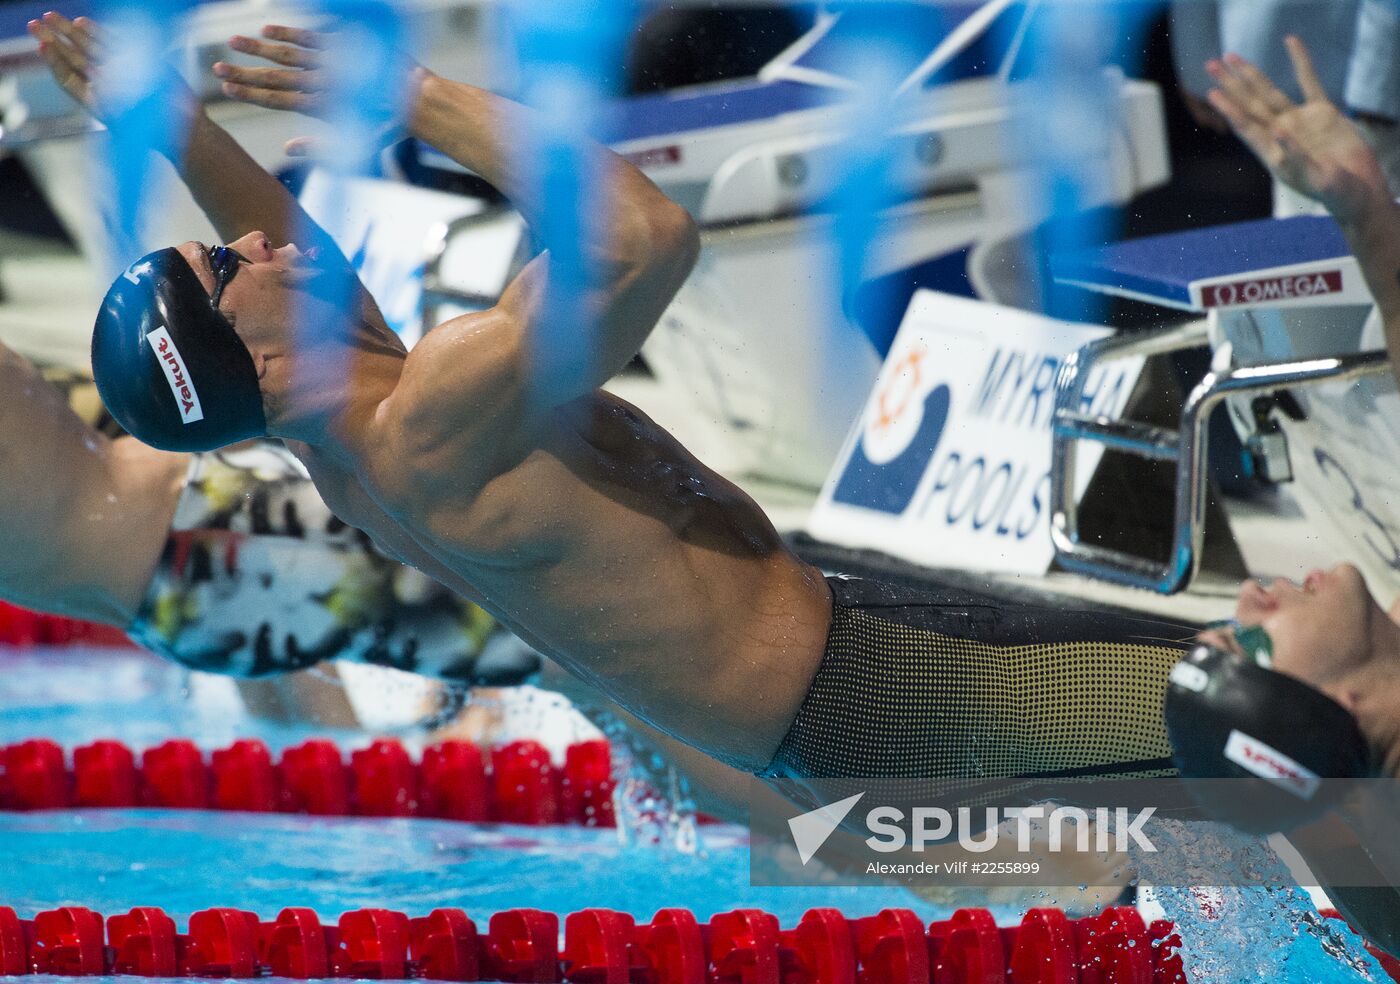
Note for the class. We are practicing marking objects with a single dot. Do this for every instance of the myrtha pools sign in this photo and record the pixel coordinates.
(949, 464)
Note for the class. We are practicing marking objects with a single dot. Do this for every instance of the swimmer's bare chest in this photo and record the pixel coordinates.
(604, 528)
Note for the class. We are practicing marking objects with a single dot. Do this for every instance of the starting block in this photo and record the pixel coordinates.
(1285, 309)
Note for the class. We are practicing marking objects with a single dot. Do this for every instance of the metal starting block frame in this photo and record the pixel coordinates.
(1211, 269)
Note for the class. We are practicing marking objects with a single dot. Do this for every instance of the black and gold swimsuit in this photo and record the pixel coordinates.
(943, 683)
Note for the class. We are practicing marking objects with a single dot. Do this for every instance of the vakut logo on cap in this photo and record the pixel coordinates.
(173, 365)
(1269, 763)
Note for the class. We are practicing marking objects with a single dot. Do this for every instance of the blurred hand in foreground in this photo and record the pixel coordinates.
(90, 69)
(311, 69)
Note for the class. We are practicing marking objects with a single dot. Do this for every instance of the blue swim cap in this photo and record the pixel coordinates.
(169, 366)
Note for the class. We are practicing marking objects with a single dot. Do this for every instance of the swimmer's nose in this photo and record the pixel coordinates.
(255, 246)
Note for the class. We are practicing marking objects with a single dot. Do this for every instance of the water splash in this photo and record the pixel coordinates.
(1231, 934)
(652, 800)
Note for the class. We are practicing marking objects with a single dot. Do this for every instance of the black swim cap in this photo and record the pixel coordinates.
(1230, 718)
(170, 367)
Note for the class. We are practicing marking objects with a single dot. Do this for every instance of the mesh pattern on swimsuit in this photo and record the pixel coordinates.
(968, 687)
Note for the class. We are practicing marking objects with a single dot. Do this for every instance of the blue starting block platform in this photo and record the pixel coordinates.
(1298, 262)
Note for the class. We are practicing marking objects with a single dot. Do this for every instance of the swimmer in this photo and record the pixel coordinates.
(1331, 636)
(1330, 633)
(576, 521)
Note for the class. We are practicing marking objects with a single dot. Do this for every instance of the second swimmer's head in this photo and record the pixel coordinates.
(181, 339)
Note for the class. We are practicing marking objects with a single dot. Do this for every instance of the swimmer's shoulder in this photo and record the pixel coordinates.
(461, 413)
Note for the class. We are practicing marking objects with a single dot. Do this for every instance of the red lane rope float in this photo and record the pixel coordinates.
(600, 946)
(455, 780)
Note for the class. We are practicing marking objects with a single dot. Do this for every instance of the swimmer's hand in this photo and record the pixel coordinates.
(75, 50)
(313, 67)
(1313, 148)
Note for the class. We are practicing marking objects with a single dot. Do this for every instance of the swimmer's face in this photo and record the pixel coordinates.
(273, 288)
(1320, 629)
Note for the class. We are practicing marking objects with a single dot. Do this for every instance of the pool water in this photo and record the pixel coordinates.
(1256, 933)
(184, 861)
(76, 695)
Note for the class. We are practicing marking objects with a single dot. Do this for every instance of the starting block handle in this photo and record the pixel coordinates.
(1145, 440)
(1187, 447)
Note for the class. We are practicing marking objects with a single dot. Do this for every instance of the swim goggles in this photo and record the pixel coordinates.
(1252, 640)
(224, 262)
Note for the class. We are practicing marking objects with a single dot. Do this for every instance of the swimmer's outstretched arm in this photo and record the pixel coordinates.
(1316, 150)
(83, 518)
(641, 249)
(230, 187)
